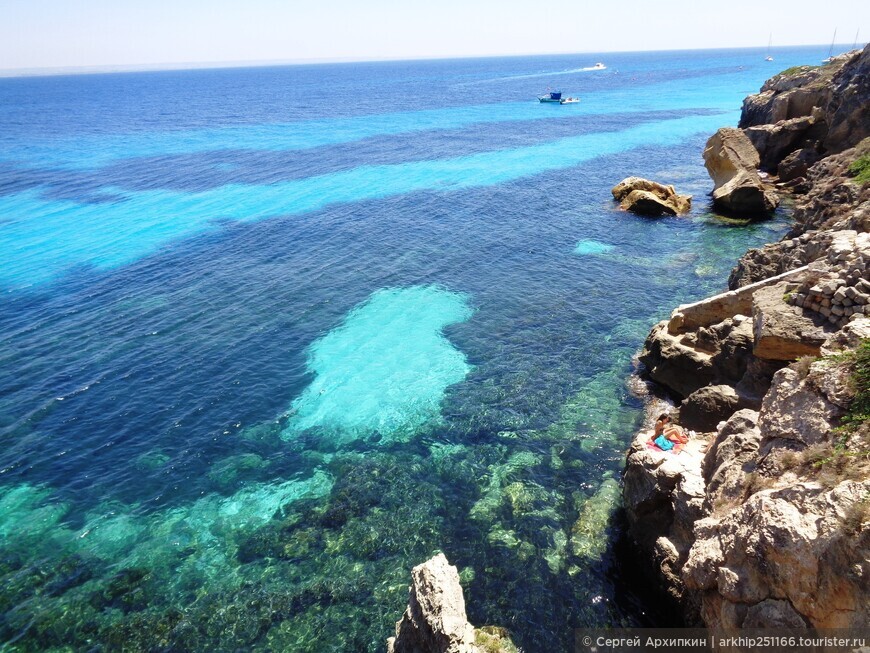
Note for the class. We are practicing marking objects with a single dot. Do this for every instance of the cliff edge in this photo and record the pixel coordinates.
(764, 519)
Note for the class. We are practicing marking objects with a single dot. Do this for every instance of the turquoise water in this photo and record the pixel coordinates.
(270, 337)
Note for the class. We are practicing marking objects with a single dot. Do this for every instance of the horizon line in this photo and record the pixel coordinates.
(104, 69)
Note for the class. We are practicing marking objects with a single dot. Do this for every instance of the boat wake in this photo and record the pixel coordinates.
(570, 71)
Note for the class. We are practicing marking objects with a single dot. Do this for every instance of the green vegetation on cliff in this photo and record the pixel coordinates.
(860, 169)
(859, 409)
(796, 69)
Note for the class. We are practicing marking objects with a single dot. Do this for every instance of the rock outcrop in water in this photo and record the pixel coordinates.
(732, 162)
(435, 620)
(764, 518)
(651, 198)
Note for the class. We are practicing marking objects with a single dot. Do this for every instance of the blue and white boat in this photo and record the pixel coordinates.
(556, 98)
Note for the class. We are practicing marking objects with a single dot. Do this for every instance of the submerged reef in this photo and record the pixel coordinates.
(320, 561)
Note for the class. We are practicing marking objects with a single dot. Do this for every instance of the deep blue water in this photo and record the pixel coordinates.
(271, 336)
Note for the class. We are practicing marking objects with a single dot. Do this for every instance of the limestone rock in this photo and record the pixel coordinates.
(664, 497)
(644, 202)
(707, 406)
(772, 613)
(775, 515)
(848, 112)
(795, 410)
(746, 195)
(783, 97)
(797, 164)
(435, 620)
(670, 362)
(784, 552)
(651, 198)
(731, 161)
(775, 142)
(832, 200)
(836, 96)
(727, 152)
(686, 362)
(730, 457)
(782, 332)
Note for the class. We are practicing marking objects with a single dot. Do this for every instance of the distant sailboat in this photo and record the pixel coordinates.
(769, 41)
(831, 51)
(855, 44)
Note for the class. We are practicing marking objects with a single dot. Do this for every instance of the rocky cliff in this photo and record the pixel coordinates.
(764, 518)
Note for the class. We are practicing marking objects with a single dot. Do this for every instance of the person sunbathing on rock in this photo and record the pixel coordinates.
(667, 435)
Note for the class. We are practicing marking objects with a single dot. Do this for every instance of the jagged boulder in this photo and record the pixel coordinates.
(797, 410)
(686, 362)
(706, 407)
(651, 198)
(775, 142)
(731, 456)
(732, 163)
(675, 364)
(796, 165)
(435, 620)
(786, 545)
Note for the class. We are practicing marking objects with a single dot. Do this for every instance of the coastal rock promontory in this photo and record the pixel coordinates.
(651, 198)
(775, 531)
(435, 620)
(732, 162)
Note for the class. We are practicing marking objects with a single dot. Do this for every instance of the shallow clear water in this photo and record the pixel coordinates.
(270, 337)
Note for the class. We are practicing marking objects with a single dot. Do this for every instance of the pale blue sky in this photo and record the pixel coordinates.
(76, 33)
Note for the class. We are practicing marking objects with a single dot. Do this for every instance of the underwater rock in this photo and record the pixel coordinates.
(587, 247)
(588, 534)
(227, 471)
(435, 620)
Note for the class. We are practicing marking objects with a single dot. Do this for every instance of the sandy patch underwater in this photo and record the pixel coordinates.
(385, 369)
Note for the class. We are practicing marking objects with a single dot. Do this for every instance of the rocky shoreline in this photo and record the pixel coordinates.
(764, 519)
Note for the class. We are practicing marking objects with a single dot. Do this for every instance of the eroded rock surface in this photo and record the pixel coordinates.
(650, 198)
(777, 519)
(435, 620)
(732, 163)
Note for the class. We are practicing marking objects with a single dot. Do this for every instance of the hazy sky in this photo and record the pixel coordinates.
(55, 33)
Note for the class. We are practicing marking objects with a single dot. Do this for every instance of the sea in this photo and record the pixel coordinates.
(272, 336)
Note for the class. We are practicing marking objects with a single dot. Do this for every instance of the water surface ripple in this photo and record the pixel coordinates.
(270, 337)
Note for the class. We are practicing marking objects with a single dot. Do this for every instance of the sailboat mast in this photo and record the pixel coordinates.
(855, 44)
(831, 51)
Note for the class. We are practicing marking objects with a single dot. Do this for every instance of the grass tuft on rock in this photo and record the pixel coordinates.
(794, 70)
(860, 169)
(859, 361)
